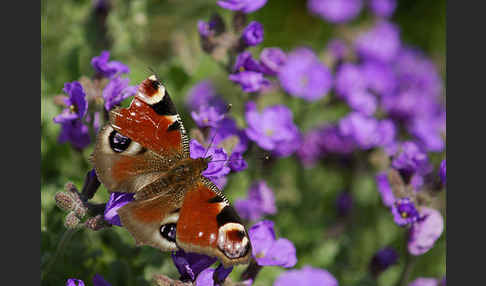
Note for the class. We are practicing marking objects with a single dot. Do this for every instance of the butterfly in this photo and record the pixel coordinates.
(144, 149)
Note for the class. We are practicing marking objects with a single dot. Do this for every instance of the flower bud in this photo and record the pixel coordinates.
(71, 220)
(64, 201)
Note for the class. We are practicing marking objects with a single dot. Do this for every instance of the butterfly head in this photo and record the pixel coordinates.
(203, 163)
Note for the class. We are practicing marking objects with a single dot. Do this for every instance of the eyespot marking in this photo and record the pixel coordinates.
(118, 142)
(168, 231)
(232, 240)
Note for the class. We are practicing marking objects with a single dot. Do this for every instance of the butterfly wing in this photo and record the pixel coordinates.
(141, 141)
(152, 221)
(209, 225)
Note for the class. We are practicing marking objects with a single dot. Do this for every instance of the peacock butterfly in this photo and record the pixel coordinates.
(144, 149)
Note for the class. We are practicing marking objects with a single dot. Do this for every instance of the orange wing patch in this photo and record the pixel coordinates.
(142, 124)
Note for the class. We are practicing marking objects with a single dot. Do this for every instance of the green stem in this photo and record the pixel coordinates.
(66, 237)
(407, 269)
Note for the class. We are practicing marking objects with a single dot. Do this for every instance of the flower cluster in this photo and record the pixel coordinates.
(107, 86)
(261, 201)
(337, 11)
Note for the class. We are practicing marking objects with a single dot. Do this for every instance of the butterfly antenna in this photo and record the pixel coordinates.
(209, 146)
(228, 108)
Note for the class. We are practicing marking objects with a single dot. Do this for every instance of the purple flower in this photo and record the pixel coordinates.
(363, 102)
(206, 277)
(227, 130)
(310, 149)
(307, 276)
(245, 62)
(411, 158)
(386, 133)
(404, 212)
(220, 182)
(385, 189)
(250, 81)
(381, 43)
(344, 203)
(269, 251)
(363, 129)
(245, 6)
(98, 280)
(379, 77)
(116, 201)
(334, 142)
(272, 60)
(74, 282)
(417, 72)
(350, 79)
(383, 259)
(237, 162)
(105, 68)
(422, 281)
(272, 129)
(203, 94)
(252, 35)
(261, 201)
(76, 133)
(305, 76)
(190, 265)
(442, 171)
(207, 116)
(213, 27)
(428, 128)
(383, 8)
(76, 103)
(217, 168)
(203, 28)
(426, 231)
(116, 91)
(335, 11)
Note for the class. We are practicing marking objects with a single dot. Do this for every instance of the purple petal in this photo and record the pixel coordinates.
(426, 231)
(98, 280)
(190, 265)
(422, 281)
(442, 171)
(385, 189)
(307, 276)
(246, 6)
(272, 60)
(383, 8)
(303, 75)
(116, 201)
(262, 237)
(381, 43)
(105, 68)
(237, 163)
(74, 282)
(335, 11)
(281, 253)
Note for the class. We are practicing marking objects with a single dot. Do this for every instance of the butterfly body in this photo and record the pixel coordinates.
(144, 150)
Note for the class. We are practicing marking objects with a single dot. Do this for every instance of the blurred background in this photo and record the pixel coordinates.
(163, 35)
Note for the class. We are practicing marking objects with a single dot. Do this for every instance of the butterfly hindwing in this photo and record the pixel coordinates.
(208, 224)
(152, 221)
